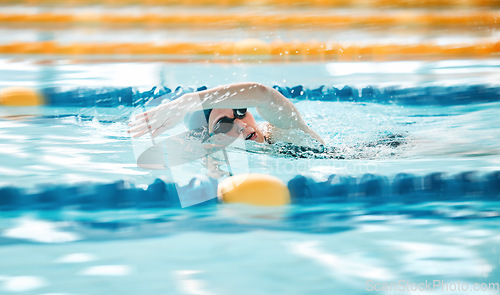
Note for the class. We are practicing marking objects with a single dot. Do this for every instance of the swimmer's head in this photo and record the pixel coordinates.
(197, 123)
(235, 123)
(197, 120)
(232, 122)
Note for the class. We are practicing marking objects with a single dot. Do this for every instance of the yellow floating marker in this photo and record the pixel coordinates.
(20, 96)
(254, 189)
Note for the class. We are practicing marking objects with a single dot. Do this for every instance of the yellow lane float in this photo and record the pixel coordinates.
(254, 189)
(20, 96)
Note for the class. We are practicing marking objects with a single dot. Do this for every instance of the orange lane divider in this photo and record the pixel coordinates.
(462, 19)
(251, 47)
(261, 3)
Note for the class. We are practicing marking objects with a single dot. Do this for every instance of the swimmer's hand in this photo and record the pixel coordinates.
(157, 120)
(307, 130)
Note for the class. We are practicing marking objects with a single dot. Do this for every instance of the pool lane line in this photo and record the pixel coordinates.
(370, 189)
(394, 95)
(415, 19)
(273, 4)
(309, 50)
(128, 96)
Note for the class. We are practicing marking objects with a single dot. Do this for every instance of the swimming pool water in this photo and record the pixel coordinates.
(54, 145)
(144, 75)
(236, 249)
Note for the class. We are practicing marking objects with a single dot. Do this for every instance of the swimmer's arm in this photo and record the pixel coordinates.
(271, 105)
(278, 110)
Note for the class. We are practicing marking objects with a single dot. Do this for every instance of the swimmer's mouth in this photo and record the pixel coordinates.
(251, 136)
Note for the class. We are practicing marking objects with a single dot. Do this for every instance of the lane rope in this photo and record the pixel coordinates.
(128, 96)
(368, 189)
(449, 19)
(268, 3)
(314, 50)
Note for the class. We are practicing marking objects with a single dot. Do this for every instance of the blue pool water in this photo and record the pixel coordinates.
(236, 249)
(70, 145)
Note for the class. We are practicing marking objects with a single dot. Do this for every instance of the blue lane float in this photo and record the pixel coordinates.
(425, 95)
(405, 188)
(107, 196)
(368, 188)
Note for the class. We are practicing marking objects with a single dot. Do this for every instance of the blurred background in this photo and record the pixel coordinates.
(218, 33)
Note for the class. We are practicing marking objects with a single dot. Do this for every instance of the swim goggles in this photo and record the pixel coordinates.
(225, 124)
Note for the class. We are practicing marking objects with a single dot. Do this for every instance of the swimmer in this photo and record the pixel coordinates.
(225, 113)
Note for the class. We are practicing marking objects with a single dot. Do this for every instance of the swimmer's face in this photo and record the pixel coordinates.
(245, 127)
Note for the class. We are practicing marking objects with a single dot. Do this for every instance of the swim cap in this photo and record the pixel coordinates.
(197, 119)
